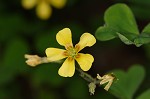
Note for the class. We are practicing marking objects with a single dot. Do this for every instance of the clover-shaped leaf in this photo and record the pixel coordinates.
(128, 82)
(120, 22)
(118, 19)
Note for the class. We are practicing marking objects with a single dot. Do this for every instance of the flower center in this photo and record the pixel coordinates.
(71, 52)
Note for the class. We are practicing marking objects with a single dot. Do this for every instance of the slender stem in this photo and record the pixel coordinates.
(86, 76)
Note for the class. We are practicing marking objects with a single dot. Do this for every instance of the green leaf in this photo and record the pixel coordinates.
(128, 82)
(105, 33)
(144, 37)
(146, 29)
(124, 39)
(121, 19)
(144, 95)
(120, 22)
(118, 19)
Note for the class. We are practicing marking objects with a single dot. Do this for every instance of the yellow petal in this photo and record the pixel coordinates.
(64, 37)
(43, 10)
(68, 68)
(86, 39)
(28, 4)
(85, 61)
(55, 54)
(58, 3)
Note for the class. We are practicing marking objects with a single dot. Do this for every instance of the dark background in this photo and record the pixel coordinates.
(21, 31)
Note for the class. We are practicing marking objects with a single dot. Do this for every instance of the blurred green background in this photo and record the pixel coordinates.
(21, 32)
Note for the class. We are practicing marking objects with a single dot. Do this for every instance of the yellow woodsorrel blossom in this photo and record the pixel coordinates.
(64, 38)
(43, 9)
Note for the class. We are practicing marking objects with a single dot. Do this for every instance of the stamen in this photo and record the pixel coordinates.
(77, 47)
(71, 52)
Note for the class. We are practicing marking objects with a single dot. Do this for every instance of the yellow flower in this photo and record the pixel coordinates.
(43, 10)
(64, 38)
